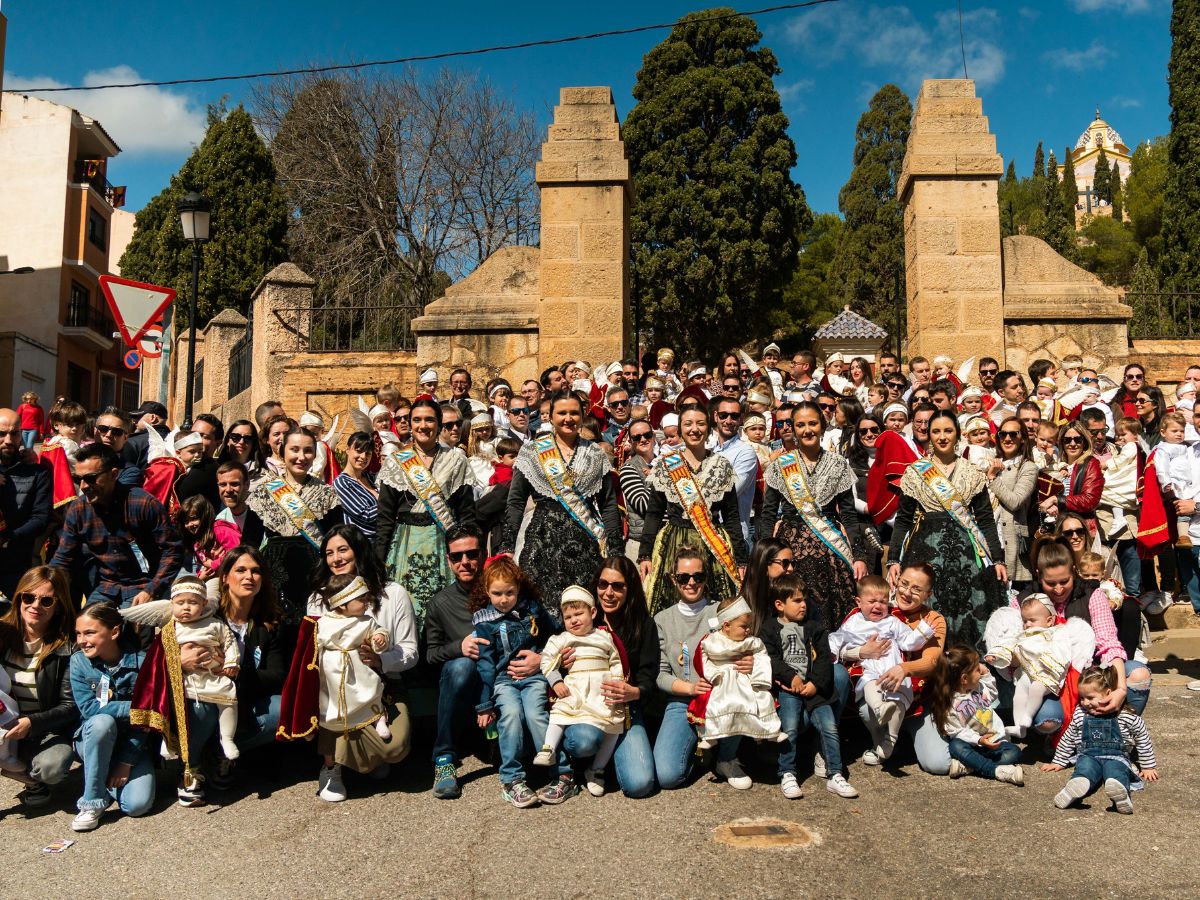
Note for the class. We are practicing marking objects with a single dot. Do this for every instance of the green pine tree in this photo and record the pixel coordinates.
(870, 254)
(1102, 180)
(1143, 194)
(232, 169)
(1010, 175)
(1116, 194)
(716, 214)
(1052, 167)
(1181, 202)
(1039, 162)
(1069, 186)
(1150, 314)
(1053, 226)
(811, 298)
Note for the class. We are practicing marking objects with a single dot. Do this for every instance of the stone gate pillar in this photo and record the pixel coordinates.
(585, 194)
(953, 269)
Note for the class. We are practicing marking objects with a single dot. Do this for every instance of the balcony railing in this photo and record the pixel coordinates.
(84, 314)
(91, 172)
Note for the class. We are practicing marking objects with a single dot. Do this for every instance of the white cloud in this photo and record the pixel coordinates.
(792, 94)
(1128, 6)
(1125, 102)
(142, 120)
(908, 49)
(1093, 57)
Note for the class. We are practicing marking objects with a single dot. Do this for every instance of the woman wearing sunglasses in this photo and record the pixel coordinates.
(810, 494)
(242, 445)
(860, 453)
(1151, 407)
(1083, 478)
(639, 456)
(1124, 401)
(36, 639)
(1012, 480)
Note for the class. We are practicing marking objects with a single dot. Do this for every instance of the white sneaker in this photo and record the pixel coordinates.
(1194, 685)
(545, 757)
(1074, 789)
(1010, 775)
(840, 786)
(870, 758)
(959, 769)
(1119, 795)
(87, 820)
(594, 780)
(819, 766)
(330, 786)
(790, 786)
(732, 772)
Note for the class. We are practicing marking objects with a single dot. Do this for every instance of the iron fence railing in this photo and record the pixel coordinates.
(240, 360)
(1164, 314)
(321, 328)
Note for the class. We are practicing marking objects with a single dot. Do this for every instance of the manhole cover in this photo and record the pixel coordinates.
(764, 834)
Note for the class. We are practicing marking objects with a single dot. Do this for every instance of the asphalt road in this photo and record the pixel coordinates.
(909, 835)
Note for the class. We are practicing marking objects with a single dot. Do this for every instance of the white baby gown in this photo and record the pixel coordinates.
(351, 691)
(596, 661)
(739, 705)
(211, 686)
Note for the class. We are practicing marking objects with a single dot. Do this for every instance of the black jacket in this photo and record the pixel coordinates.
(57, 714)
(820, 660)
(447, 622)
(26, 498)
(200, 479)
(137, 447)
(264, 668)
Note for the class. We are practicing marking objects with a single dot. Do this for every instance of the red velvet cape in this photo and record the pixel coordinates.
(893, 454)
(302, 689)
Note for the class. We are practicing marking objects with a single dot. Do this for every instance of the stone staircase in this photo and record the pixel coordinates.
(1174, 652)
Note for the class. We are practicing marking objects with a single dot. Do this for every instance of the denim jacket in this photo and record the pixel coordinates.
(526, 627)
(86, 678)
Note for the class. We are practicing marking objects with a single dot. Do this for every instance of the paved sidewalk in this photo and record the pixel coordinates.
(909, 835)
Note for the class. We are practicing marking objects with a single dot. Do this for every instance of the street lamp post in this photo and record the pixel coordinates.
(194, 216)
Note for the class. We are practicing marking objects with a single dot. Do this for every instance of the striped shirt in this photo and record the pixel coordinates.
(20, 666)
(1135, 740)
(359, 506)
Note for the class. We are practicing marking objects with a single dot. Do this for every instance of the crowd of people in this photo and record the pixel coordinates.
(609, 575)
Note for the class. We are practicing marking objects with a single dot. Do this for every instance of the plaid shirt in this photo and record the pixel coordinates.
(132, 516)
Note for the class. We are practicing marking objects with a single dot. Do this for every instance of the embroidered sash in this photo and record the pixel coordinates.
(802, 498)
(425, 486)
(301, 516)
(947, 495)
(556, 472)
(696, 509)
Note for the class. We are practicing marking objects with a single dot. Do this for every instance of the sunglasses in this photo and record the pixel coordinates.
(460, 555)
(732, 387)
(400, 418)
(110, 429)
(1142, 400)
(644, 436)
(868, 432)
(682, 578)
(524, 410)
(827, 406)
(236, 438)
(618, 404)
(786, 564)
(449, 426)
(602, 585)
(1073, 532)
(89, 480)
(1015, 435)
(27, 599)
(745, 373)
(1074, 439)
(988, 371)
(1132, 377)
(728, 415)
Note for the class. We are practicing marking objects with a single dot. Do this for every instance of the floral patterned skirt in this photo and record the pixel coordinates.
(827, 579)
(660, 591)
(417, 561)
(291, 561)
(963, 592)
(558, 553)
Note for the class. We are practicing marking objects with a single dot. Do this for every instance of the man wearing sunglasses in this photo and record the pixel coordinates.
(518, 420)
(726, 439)
(112, 429)
(25, 503)
(620, 410)
(128, 533)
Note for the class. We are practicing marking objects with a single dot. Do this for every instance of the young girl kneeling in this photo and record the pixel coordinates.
(964, 710)
(508, 619)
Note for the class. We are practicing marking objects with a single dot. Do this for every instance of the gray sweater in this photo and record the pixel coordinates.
(679, 636)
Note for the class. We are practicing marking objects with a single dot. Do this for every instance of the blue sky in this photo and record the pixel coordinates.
(1041, 67)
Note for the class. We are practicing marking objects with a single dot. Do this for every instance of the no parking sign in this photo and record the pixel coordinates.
(133, 358)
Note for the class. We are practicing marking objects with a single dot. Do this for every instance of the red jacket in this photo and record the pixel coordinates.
(33, 418)
(1085, 489)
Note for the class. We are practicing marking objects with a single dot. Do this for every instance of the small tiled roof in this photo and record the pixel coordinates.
(849, 325)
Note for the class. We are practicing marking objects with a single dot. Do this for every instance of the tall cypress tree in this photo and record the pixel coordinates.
(1102, 180)
(1181, 201)
(1054, 228)
(1010, 176)
(870, 253)
(1052, 167)
(1039, 162)
(1117, 197)
(1069, 186)
(716, 216)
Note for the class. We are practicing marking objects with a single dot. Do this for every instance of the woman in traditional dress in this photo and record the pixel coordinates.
(695, 490)
(945, 518)
(575, 516)
(296, 510)
(810, 493)
(424, 492)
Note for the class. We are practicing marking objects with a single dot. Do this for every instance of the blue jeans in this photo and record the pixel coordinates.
(202, 725)
(633, 758)
(795, 718)
(458, 689)
(119, 596)
(1131, 566)
(521, 705)
(841, 689)
(675, 746)
(1051, 709)
(984, 760)
(1187, 560)
(1097, 771)
(28, 437)
(100, 736)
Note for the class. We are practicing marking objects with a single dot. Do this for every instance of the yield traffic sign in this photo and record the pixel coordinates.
(135, 305)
